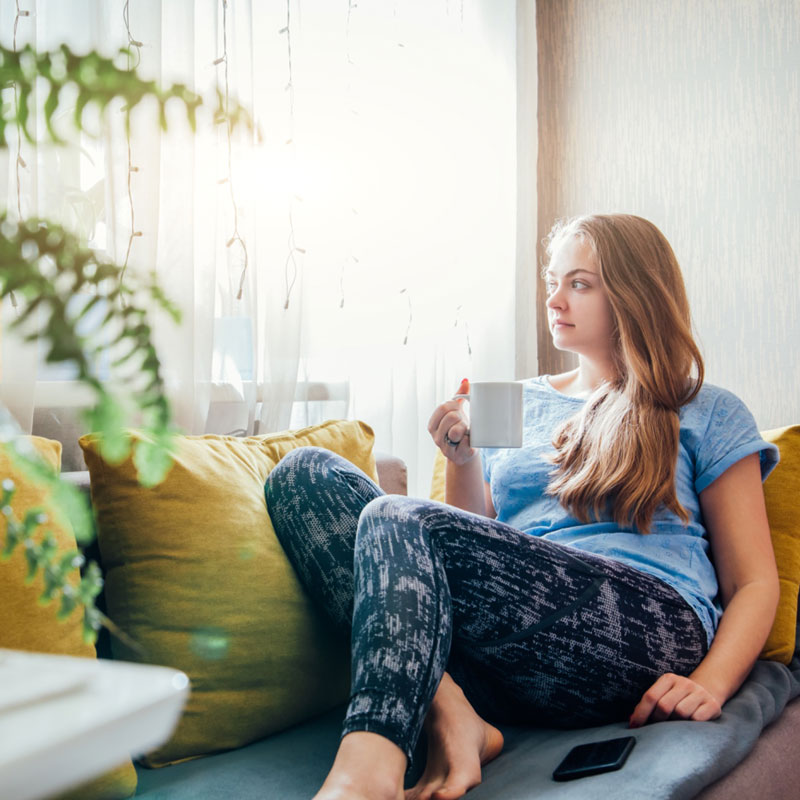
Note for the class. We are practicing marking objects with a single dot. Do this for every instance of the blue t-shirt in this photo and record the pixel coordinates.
(716, 431)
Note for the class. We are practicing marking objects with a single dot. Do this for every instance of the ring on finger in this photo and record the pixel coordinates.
(449, 441)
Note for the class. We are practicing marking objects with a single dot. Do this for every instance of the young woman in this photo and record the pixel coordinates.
(565, 583)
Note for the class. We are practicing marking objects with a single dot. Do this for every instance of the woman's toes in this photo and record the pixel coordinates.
(457, 785)
(448, 793)
(493, 744)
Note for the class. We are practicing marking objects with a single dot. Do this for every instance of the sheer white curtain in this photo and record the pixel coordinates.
(376, 213)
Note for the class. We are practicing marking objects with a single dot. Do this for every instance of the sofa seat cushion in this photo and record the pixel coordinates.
(671, 759)
(196, 580)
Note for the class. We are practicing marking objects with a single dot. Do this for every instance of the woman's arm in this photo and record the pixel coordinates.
(465, 488)
(464, 484)
(736, 519)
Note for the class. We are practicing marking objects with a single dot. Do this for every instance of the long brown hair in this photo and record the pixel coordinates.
(618, 454)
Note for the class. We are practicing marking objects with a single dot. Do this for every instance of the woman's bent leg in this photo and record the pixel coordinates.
(314, 498)
(531, 630)
(539, 632)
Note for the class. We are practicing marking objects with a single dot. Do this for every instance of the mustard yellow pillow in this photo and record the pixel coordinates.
(781, 491)
(195, 575)
(28, 625)
(437, 481)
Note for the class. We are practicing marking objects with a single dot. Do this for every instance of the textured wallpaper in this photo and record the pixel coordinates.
(687, 112)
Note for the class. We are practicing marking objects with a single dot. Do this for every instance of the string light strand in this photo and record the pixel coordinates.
(126, 16)
(291, 261)
(19, 161)
(236, 237)
(137, 45)
(287, 31)
(350, 66)
(466, 329)
(291, 264)
(410, 314)
(350, 6)
(341, 281)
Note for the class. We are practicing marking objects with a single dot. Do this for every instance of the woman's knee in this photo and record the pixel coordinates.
(315, 481)
(297, 468)
(394, 507)
(392, 516)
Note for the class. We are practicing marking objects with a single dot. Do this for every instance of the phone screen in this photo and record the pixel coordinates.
(594, 758)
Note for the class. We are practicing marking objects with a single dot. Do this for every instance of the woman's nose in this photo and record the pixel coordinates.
(554, 299)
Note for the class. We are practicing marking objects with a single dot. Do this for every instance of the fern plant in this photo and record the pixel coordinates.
(44, 268)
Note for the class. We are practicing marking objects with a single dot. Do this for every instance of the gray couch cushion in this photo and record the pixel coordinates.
(672, 760)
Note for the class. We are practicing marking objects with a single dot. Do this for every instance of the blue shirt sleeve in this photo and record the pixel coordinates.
(731, 434)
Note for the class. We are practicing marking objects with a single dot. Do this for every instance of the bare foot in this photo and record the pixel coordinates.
(459, 744)
(367, 767)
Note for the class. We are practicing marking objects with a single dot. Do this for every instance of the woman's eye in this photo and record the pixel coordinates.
(550, 286)
(579, 285)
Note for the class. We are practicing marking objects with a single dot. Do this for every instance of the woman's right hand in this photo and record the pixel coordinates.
(448, 429)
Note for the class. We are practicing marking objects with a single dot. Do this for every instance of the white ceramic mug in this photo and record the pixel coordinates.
(495, 413)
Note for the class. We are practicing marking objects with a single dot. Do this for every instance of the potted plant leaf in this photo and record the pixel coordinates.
(44, 267)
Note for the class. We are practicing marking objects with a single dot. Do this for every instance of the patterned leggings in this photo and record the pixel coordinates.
(533, 632)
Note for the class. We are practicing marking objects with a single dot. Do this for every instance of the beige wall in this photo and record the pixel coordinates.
(527, 215)
(687, 112)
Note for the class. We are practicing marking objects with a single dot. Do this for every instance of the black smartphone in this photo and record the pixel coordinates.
(594, 758)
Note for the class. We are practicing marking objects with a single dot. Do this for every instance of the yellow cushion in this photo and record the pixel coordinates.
(781, 490)
(437, 481)
(119, 783)
(28, 625)
(196, 576)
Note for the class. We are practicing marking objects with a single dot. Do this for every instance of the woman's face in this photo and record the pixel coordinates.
(578, 310)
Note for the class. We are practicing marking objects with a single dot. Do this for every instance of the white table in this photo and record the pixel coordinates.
(64, 720)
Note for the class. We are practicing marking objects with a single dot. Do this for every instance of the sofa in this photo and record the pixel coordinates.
(748, 752)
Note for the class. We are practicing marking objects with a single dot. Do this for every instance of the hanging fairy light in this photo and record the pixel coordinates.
(354, 259)
(19, 161)
(465, 325)
(351, 65)
(410, 314)
(291, 267)
(133, 44)
(461, 10)
(236, 237)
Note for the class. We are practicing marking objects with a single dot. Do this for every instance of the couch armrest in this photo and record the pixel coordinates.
(392, 473)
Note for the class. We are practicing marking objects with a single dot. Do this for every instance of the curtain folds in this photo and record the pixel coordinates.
(370, 227)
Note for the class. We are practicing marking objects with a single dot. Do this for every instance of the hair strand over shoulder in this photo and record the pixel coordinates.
(618, 454)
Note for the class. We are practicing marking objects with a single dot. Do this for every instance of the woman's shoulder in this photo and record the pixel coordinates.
(713, 403)
(719, 429)
(537, 380)
(538, 384)
(716, 415)
(553, 387)
(538, 389)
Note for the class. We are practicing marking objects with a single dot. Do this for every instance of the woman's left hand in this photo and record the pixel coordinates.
(675, 697)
